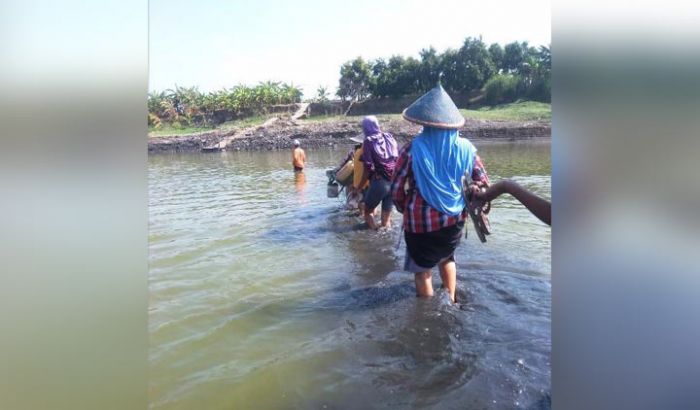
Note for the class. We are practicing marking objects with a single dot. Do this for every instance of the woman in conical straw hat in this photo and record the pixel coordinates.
(427, 189)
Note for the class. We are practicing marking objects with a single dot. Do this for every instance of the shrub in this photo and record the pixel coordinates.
(154, 121)
(503, 88)
(540, 90)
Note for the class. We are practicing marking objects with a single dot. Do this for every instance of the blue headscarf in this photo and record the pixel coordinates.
(440, 158)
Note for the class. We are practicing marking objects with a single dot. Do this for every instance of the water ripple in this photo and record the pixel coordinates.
(264, 293)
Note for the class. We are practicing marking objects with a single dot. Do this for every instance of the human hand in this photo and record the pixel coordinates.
(475, 196)
(493, 191)
(474, 190)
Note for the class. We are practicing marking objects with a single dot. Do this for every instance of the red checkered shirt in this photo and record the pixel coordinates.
(418, 216)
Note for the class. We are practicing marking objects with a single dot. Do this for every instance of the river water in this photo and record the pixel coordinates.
(264, 293)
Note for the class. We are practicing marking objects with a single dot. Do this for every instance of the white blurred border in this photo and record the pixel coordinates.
(626, 194)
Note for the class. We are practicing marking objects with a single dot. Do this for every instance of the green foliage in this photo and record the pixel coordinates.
(429, 69)
(517, 111)
(169, 130)
(465, 70)
(244, 122)
(154, 122)
(184, 107)
(468, 68)
(397, 77)
(502, 88)
(321, 94)
(533, 84)
(515, 54)
(540, 89)
(166, 129)
(537, 72)
(354, 80)
(497, 56)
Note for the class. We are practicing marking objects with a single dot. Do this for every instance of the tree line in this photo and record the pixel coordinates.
(187, 106)
(499, 73)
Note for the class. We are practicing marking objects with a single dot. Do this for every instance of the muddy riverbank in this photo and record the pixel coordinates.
(315, 134)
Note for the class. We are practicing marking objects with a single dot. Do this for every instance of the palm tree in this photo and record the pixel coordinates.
(322, 94)
(292, 94)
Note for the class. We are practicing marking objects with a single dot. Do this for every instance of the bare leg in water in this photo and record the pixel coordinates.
(424, 284)
(369, 218)
(386, 219)
(448, 274)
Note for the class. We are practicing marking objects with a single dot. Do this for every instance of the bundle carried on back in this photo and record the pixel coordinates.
(345, 174)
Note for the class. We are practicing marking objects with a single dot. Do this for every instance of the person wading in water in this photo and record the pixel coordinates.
(427, 189)
(358, 172)
(298, 157)
(379, 153)
(355, 192)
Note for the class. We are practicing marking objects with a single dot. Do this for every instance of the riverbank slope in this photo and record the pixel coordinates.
(279, 132)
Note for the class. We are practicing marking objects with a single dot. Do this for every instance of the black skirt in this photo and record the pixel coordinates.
(430, 248)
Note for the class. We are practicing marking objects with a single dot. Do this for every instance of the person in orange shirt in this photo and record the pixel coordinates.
(298, 157)
(357, 191)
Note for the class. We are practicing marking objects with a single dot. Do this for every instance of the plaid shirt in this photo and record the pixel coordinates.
(421, 217)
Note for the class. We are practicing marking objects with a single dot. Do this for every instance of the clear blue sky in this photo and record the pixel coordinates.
(215, 44)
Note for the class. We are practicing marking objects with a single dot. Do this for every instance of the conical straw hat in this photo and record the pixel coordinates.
(434, 109)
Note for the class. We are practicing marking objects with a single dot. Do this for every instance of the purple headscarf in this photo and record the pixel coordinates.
(380, 150)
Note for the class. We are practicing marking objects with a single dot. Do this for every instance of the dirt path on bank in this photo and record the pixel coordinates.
(227, 140)
(279, 132)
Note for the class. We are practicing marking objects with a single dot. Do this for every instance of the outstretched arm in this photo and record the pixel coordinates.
(539, 207)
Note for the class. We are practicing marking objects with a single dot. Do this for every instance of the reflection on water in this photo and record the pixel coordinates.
(300, 181)
(264, 293)
(300, 185)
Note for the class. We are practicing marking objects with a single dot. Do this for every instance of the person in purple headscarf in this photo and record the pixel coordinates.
(379, 155)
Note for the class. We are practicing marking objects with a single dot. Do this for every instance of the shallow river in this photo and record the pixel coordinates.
(264, 293)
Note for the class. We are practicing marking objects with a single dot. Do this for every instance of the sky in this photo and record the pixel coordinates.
(215, 44)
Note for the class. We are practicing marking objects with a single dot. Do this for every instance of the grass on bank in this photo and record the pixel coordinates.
(244, 122)
(323, 118)
(168, 130)
(351, 118)
(517, 111)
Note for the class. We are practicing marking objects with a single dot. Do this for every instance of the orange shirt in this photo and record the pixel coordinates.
(358, 169)
(298, 157)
